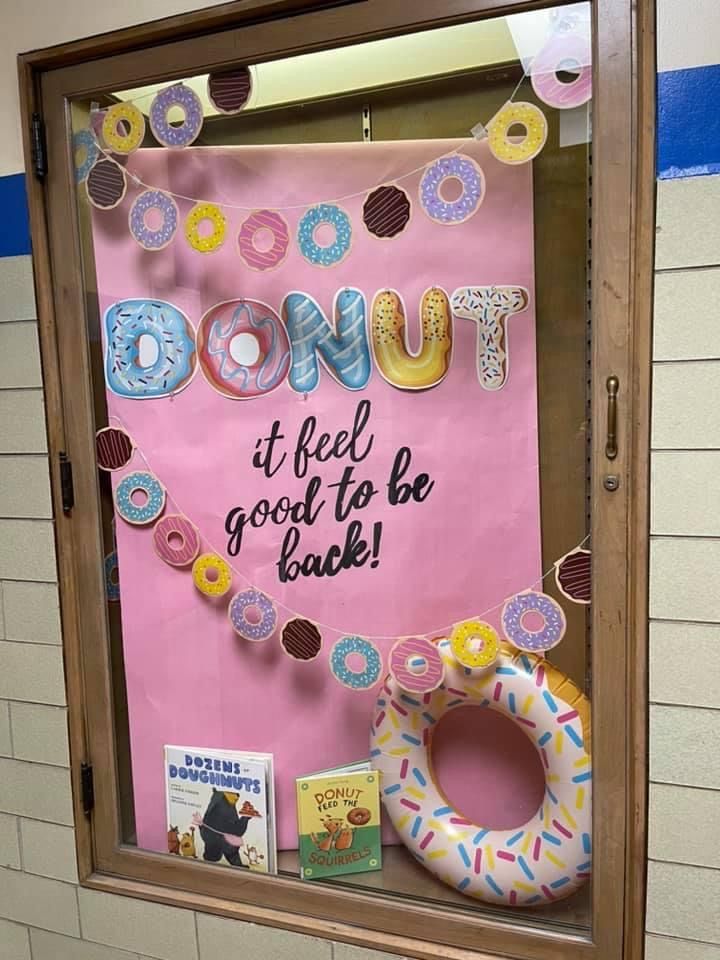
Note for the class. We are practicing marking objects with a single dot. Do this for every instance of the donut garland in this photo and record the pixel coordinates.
(573, 576)
(301, 639)
(212, 575)
(416, 665)
(113, 448)
(152, 494)
(257, 628)
(106, 185)
(160, 237)
(179, 95)
(512, 151)
(85, 154)
(547, 636)
(229, 91)
(123, 128)
(176, 540)
(205, 213)
(345, 674)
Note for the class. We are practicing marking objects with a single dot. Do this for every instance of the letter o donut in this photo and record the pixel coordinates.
(547, 858)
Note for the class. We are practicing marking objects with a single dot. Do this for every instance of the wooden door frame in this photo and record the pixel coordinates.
(623, 219)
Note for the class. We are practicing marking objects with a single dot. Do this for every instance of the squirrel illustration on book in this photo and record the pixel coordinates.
(222, 829)
(338, 836)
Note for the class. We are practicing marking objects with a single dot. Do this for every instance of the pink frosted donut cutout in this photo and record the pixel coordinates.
(566, 51)
(263, 259)
(178, 525)
(424, 682)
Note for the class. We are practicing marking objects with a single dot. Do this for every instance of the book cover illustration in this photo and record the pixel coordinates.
(339, 822)
(220, 807)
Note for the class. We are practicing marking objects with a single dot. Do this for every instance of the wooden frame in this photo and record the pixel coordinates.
(623, 207)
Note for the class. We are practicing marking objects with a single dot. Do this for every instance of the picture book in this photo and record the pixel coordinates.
(221, 807)
(339, 821)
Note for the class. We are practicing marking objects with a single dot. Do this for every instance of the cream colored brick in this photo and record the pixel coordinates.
(40, 733)
(19, 355)
(684, 746)
(9, 844)
(27, 550)
(697, 682)
(18, 295)
(684, 825)
(219, 937)
(685, 34)
(24, 487)
(32, 612)
(5, 735)
(36, 790)
(166, 933)
(669, 948)
(682, 901)
(685, 579)
(51, 946)
(687, 314)
(688, 222)
(685, 493)
(49, 850)
(32, 672)
(14, 939)
(3, 635)
(22, 422)
(344, 951)
(39, 902)
(685, 408)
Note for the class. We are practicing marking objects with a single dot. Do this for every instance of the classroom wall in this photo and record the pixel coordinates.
(43, 913)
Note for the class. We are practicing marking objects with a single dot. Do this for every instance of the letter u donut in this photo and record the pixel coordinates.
(389, 339)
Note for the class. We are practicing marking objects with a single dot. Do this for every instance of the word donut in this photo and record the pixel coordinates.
(549, 611)
(416, 666)
(179, 95)
(151, 493)
(527, 115)
(490, 308)
(176, 540)
(390, 342)
(130, 374)
(243, 349)
(345, 674)
(324, 213)
(474, 644)
(276, 226)
(542, 860)
(123, 128)
(201, 213)
(566, 51)
(211, 575)
(85, 153)
(472, 180)
(256, 629)
(160, 237)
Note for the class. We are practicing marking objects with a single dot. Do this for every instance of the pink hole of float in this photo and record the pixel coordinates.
(532, 621)
(417, 666)
(488, 769)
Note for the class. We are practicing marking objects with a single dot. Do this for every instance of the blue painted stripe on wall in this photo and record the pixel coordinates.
(14, 228)
(688, 130)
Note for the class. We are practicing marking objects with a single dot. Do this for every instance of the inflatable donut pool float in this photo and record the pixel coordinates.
(545, 859)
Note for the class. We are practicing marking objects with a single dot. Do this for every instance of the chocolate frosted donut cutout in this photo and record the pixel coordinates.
(386, 211)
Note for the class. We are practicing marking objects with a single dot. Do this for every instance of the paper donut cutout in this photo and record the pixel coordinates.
(512, 151)
(345, 674)
(85, 145)
(152, 494)
(202, 213)
(123, 128)
(112, 583)
(415, 665)
(474, 644)
(257, 628)
(386, 211)
(573, 576)
(324, 214)
(567, 50)
(543, 860)
(159, 237)
(170, 371)
(258, 327)
(176, 540)
(105, 185)
(211, 575)
(390, 341)
(301, 639)
(472, 180)
(548, 610)
(113, 448)
(490, 308)
(276, 225)
(229, 91)
(178, 95)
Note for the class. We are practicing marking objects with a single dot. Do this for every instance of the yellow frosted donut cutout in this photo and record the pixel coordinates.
(202, 567)
(200, 212)
(123, 142)
(474, 644)
(531, 118)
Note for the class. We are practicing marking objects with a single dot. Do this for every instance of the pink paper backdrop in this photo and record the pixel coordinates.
(474, 541)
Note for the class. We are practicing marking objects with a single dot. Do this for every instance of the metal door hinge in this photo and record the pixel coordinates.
(67, 490)
(39, 152)
(87, 787)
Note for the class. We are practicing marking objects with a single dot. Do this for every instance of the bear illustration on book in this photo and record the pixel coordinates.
(222, 829)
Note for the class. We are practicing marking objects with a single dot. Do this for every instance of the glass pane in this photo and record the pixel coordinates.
(340, 349)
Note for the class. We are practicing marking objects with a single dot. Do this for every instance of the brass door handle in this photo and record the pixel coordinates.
(611, 449)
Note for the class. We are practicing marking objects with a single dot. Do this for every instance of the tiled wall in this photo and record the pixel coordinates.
(683, 901)
(47, 917)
